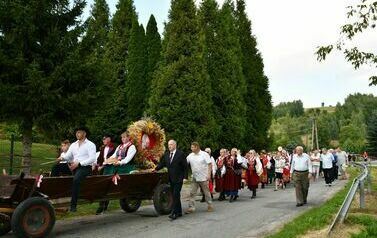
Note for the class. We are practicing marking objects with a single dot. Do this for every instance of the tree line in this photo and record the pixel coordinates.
(203, 80)
(351, 125)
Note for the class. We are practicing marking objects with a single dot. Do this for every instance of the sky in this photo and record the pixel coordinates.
(288, 34)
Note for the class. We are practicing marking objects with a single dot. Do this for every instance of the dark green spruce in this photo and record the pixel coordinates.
(44, 82)
(180, 97)
(258, 97)
(136, 81)
(153, 54)
(222, 51)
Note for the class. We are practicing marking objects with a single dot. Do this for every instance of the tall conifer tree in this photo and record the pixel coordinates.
(372, 133)
(117, 50)
(98, 27)
(180, 97)
(136, 74)
(222, 52)
(258, 97)
(93, 49)
(153, 46)
(43, 78)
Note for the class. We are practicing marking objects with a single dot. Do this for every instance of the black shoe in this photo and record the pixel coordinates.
(252, 197)
(173, 216)
(235, 198)
(203, 199)
(73, 209)
(299, 205)
(100, 211)
(305, 202)
(231, 199)
(179, 215)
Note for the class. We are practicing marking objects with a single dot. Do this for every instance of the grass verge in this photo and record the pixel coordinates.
(41, 153)
(318, 217)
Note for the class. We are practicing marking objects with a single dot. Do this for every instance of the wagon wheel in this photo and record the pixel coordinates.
(129, 205)
(163, 199)
(34, 217)
(4, 224)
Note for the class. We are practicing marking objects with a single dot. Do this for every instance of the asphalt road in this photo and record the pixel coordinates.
(243, 218)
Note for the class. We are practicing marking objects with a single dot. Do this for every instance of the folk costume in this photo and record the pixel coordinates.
(106, 151)
(219, 180)
(263, 177)
(252, 178)
(124, 153)
(286, 171)
(232, 177)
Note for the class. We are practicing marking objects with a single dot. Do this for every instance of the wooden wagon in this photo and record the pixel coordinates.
(27, 204)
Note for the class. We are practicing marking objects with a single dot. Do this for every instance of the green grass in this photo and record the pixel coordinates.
(315, 218)
(368, 222)
(40, 153)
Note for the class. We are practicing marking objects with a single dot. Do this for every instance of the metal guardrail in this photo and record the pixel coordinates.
(358, 184)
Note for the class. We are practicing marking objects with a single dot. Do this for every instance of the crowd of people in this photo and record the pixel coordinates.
(225, 175)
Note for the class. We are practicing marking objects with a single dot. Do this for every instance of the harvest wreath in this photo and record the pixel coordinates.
(149, 139)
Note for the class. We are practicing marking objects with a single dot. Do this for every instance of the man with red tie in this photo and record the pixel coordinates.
(175, 161)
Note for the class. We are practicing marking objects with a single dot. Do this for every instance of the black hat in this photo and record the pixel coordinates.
(106, 136)
(82, 128)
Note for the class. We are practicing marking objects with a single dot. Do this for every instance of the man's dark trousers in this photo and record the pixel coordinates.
(176, 190)
(80, 174)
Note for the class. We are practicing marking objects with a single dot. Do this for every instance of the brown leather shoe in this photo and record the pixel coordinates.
(210, 208)
(190, 210)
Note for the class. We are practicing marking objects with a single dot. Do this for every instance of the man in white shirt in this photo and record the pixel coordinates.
(213, 172)
(201, 168)
(327, 165)
(80, 155)
(301, 170)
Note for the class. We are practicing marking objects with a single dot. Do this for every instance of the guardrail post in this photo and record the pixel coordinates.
(362, 194)
(369, 178)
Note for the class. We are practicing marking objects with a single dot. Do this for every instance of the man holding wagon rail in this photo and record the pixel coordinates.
(81, 155)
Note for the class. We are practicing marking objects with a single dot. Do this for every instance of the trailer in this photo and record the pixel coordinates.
(28, 204)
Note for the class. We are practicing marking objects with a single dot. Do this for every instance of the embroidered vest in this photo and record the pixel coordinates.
(123, 150)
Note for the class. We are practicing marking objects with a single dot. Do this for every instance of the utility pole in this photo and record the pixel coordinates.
(312, 142)
(316, 134)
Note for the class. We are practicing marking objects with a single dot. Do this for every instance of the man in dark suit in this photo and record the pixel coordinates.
(175, 161)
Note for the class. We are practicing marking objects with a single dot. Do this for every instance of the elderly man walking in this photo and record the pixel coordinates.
(201, 168)
(301, 170)
(175, 161)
